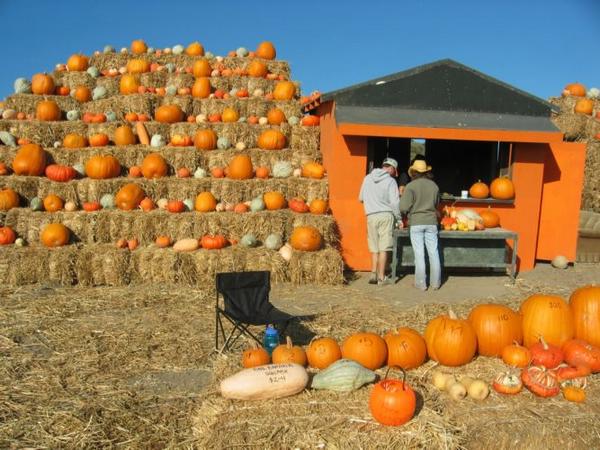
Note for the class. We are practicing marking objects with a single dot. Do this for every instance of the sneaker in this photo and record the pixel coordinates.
(385, 281)
(373, 278)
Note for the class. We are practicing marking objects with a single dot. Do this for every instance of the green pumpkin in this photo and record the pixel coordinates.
(170, 67)
(93, 72)
(293, 120)
(257, 204)
(107, 201)
(73, 115)
(282, 169)
(223, 143)
(108, 49)
(273, 241)
(110, 116)
(171, 90)
(242, 52)
(99, 92)
(8, 139)
(22, 86)
(157, 141)
(178, 49)
(248, 240)
(343, 375)
(36, 204)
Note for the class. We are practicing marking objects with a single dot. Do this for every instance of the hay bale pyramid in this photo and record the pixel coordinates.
(144, 117)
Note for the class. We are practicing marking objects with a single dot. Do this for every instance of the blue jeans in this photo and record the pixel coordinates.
(421, 237)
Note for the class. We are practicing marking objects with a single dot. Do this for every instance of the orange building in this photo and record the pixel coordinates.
(470, 127)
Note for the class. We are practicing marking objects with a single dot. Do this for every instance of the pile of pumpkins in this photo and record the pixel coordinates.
(585, 99)
(467, 219)
(548, 346)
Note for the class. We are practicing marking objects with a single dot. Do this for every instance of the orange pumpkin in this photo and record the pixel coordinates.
(147, 204)
(98, 140)
(194, 49)
(392, 402)
(129, 197)
(53, 203)
(100, 167)
(318, 206)
(585, 306)
(213, 242)
(479, 190)
(548, 317)
(310, 121)
(47, 110)
(175, 206)
(42, 84)
(168, 114)
(584, 106)
(83, 94)
(313, 170)
(201, 68)
(30, 160)
(77, 63)
(271, 140)
(137, 65)
(154, 166)
(450, 340)
(322, 352)
(367, 349)
(129, 84)
(274, 200)
(490, 218)
(183, 172)
(502, 189)
(579, 353)
(240, 168)
(575, 89)
(7, 236)
(60, 173)
(163, 241)
(74, 140)
(217, 172)
(91, 206)
(516, 355)
(8, 199)
(124, 136)
(298, 205)
(201, 87)
(306, 238)
(138, 47)
(284, 90)
(55, 235)
(241, 208)
(275, 116)
(205, 202)
(265, 50)
(262, 172)
(496, 326)
(255, 356)
(406, 348)
(288, 353)
(205, 139)
(257, 69)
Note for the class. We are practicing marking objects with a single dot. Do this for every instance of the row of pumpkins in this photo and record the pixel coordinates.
(32, 160)
(585, 102)
(546, 325)
(501, 188)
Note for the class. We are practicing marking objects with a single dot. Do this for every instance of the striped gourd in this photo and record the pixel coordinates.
(343, 376)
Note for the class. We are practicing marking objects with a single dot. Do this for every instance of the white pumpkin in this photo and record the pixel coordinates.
(258, 93)
(19, 242)
(560, 262)
(273, 241)
(248, 240)
(200, 173)
(240, 146)
(265, 382)
(162, 203)
(186, 245)
(201, 118)
(263, 121)
(157, 140)
(286, 252)
(282, 169)
(70, 206)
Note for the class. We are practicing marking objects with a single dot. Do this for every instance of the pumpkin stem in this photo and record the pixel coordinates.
(452, 314)
(544, 344)
(403, 375)
(288, 341)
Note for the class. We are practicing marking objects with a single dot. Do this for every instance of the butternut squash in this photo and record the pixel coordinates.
(186, 245)
(265, 382)
(142, 133)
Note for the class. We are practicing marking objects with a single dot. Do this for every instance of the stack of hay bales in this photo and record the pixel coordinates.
(583, 128)
(92, 257)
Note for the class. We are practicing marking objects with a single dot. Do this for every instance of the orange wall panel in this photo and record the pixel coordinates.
(561, 200)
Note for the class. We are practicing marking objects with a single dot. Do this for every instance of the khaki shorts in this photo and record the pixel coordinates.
(379, 232)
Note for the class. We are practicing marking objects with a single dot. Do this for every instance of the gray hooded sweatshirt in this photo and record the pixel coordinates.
(379, 193)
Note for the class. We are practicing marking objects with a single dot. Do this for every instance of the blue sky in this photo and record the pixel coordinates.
(536, 45)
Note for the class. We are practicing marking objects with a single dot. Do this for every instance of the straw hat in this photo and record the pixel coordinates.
(419, 166)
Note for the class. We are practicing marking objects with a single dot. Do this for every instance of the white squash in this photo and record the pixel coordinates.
(286, 252)
(265, 382)
(273, 241)
(263, 120)
(200, 173)
(560, 262)
(186, 245)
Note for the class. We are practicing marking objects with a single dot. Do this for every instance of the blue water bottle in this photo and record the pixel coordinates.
(271, 339)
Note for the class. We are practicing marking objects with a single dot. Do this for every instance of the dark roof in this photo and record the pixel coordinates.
(444, 93)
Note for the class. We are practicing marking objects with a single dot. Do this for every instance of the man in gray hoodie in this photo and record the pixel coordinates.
(380, 198)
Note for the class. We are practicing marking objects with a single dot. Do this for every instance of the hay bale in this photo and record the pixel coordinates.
(185, 102)
(307, 139)
(321, 267)
(43, 133)
(590, 200)
(592, 129)
(180, 80)
(572, 125)
(123, 104)
(27, 102)
(74, 79)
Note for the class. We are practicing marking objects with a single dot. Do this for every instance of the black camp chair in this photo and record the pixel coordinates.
(246, 302)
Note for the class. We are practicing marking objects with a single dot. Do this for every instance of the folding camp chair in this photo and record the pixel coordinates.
(245, 302)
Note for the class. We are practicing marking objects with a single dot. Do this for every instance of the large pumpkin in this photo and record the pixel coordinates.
(284, 90)
(129, 197)
(55, 235)
(240, 168)
(585, 306)
(367, 349)
(496, 326)
(502, 189)
(575, 89)
(406, 348)
(138, 47)
(195, 49)
(201, 87)
(546, 316)
(450, 340)
(257, 69)
(8, 199)
(74, 140)
(30, 160)
(201, 68)
(42, 84)
(154, 166)
(306, 238)
(479, 190)
(205, 202)
(275, 116)
(313, 170)
(266, 50)
(274, 200)
(168, 114)
(47, 110)
(205, 139)
(100, 167)
(129, 84)
(77, 63)
(584, 106)
(124, 136)
(490, 218)
(271, 140)
(138, 65)
(322, 352)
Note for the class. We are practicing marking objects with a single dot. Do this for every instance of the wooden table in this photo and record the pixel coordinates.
(483, 248)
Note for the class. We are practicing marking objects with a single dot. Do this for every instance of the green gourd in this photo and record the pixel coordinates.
(109, 49)
(223, 143)
(93, 72)
(343, 375)
(36, 204)
(178, 49)
(242, 119)
(171, 90)
(293, 120)
(22, 86)
(79, 168)
(189, 204)
(110, 116)
(157, 140)
(273, 241)
(241, 52)
(8, 139)
(73, 115)
(257, 204)
(248, 240)
(107, 201)
(99, 92)
(282, 169)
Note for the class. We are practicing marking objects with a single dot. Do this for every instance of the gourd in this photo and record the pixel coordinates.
(343, 375)
(200, 173)
(8, 139)
(99, 92)
(248, 240)
(282, 169)
(294, 120)
(93, 72)
(265, 382)
(286, 252)
(36, 204)
(107, 201)
(157, 140)
(257, 204)
(22, 86)
(273, 241)
(186, 245)
(223, 143)
(73, 114)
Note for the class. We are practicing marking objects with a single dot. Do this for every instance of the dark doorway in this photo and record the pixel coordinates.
(380, 148)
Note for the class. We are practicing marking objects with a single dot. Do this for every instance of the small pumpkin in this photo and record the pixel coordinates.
(273, 241)
(310, 120)
(298, 205)
(163, 241)
(265, 50)
(313, 170)
(129, 197)
(42, 84)
(201, 87)
(289, 353)
(138, 65)
(7, 235)
(584, 106)
(516, 355)
(201, 68)
(284, 90)
(255, 356)
(490, 218)
(77, 63)
(318, 206)
(124, 136)
(215, 242)
(240, 168)
(276, 116)
(392, 402)
(368, 349)
(574, 394)
(502, 189)
(98, 140)
(271, 140)
(154, 166)
(53, 203)
(74, 140)
(91, 206)
(257, 69)
(55, 235)
(546, 355)
(575, 89)
(57, 172)
(175, 206)
(321, 353)
(229, 115)
(306, 238)
(274, 200)
(129, 84)
(262, 172)
(479, 190)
